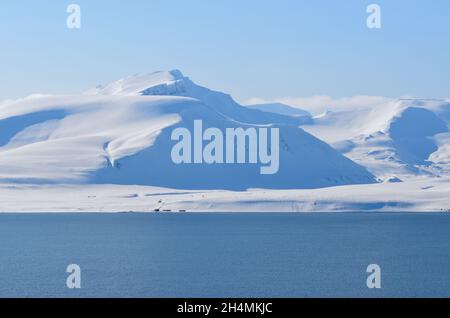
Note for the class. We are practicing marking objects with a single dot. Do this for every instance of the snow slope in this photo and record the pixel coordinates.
(120, 134)
(403, 137)
(278, 108)
(174, 83)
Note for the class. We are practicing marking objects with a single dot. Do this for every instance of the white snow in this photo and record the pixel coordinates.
(404, 137)
(64, 139)
(421, 195)
(280, 108)
(120, 134)
(108, 150)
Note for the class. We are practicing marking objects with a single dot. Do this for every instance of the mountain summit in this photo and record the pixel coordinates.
(157, 83)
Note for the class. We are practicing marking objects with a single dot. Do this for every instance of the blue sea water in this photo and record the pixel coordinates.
(225, 255)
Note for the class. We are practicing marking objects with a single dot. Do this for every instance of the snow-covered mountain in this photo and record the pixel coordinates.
(398, 139)
(120, 134)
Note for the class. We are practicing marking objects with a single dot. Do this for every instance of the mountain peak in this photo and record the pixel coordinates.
(140, 84)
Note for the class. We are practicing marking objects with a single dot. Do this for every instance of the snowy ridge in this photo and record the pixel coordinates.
(158, 83)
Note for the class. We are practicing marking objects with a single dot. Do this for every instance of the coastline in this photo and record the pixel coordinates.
(421, 195)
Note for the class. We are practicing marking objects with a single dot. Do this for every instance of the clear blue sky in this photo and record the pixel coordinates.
(249, 48)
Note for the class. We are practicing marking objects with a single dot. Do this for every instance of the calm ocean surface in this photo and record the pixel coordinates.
(224, 255)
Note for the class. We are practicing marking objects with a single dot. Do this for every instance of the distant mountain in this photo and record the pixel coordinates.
(409, 137)
(121, 134)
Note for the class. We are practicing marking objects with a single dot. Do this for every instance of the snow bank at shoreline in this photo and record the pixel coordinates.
(424, 195)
